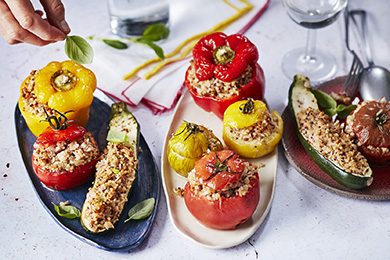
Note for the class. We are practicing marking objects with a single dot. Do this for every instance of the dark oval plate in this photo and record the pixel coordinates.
(125, 236)
(302, 162)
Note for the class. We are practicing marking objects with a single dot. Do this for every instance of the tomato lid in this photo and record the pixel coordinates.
(52, 136)
(218, 170)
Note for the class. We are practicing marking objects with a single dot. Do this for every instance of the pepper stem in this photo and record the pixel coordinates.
(223, 55)
(63, 80)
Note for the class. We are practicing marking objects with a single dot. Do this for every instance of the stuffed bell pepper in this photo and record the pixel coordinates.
(224, 70)
(250, 129)
(63, 86)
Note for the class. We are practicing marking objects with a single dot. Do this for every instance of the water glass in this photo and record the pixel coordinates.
(131, 17)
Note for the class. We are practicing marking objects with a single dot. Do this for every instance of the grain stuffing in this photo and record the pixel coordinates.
(257, 132)
(115, 174)
(331, 141)
(31, 104)
(66, 155)
(217, 88)
(239, 188)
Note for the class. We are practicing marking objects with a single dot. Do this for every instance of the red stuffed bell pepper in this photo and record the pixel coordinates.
(222, 190)
(224, 70)
(64, 155)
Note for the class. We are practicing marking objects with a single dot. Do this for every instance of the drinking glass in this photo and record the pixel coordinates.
(318, 65)
(131, 17)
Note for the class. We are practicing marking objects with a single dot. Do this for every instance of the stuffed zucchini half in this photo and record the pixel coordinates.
(325, 141)
(115, 173)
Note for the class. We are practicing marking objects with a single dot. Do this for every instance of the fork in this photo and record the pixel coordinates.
(351, 83)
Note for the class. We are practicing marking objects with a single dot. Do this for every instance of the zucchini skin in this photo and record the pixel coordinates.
(339, 175)
(335, 172)
(118, 110)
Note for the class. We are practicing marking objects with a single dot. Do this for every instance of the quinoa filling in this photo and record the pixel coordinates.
(66, 155)
(331, 141)
(31, 104)
(257, 132)
(239, 188)
(217, 88)
(115, 174)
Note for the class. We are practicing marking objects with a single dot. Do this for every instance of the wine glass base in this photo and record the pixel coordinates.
(319, 68)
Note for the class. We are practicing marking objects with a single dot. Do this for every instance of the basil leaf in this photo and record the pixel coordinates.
(157, 49)
(331, 111)
(155, 32)
(115, 44)
(141, 210)
(67, 211)
(324, 100)
(343, 111)
(78, 49)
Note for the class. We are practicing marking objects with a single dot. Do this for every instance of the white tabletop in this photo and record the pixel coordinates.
(305, 221)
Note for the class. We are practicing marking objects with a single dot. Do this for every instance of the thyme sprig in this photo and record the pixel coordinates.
(220, 166)
(247, 107)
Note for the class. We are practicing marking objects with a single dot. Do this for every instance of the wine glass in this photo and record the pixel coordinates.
(318, 65)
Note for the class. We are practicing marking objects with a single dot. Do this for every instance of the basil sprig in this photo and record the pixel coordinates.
(329, 105)
(78, 49)
(141, 210)
(152, 34)
(117, 44)
(67, 211)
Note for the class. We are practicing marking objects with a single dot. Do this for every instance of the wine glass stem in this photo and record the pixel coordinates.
(310, 50)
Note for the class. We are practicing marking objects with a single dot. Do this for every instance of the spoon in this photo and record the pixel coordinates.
(374, 82)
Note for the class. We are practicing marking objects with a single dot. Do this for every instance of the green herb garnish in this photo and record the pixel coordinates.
(152, 33)
(67, 211)
(329, 105)
(78, 49)
(115, 170)
(117, 44)
(141, 210)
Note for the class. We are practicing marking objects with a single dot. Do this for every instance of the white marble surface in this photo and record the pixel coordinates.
(305, 222)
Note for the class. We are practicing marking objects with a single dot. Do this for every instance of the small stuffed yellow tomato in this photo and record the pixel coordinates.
(250, 129)
(188, 145)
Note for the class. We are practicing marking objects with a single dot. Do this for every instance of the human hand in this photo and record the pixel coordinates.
(19, 22)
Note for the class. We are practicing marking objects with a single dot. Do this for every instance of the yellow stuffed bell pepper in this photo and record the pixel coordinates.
(250, 129)
(63, 86)
(189, 144)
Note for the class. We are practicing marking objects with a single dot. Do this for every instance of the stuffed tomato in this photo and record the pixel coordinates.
(189, 144)
(250, 129)
(370, 124)
(223, 190)
(224, 70)
(64, 155)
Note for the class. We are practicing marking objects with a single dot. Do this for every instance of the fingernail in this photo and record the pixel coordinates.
(64, 26)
